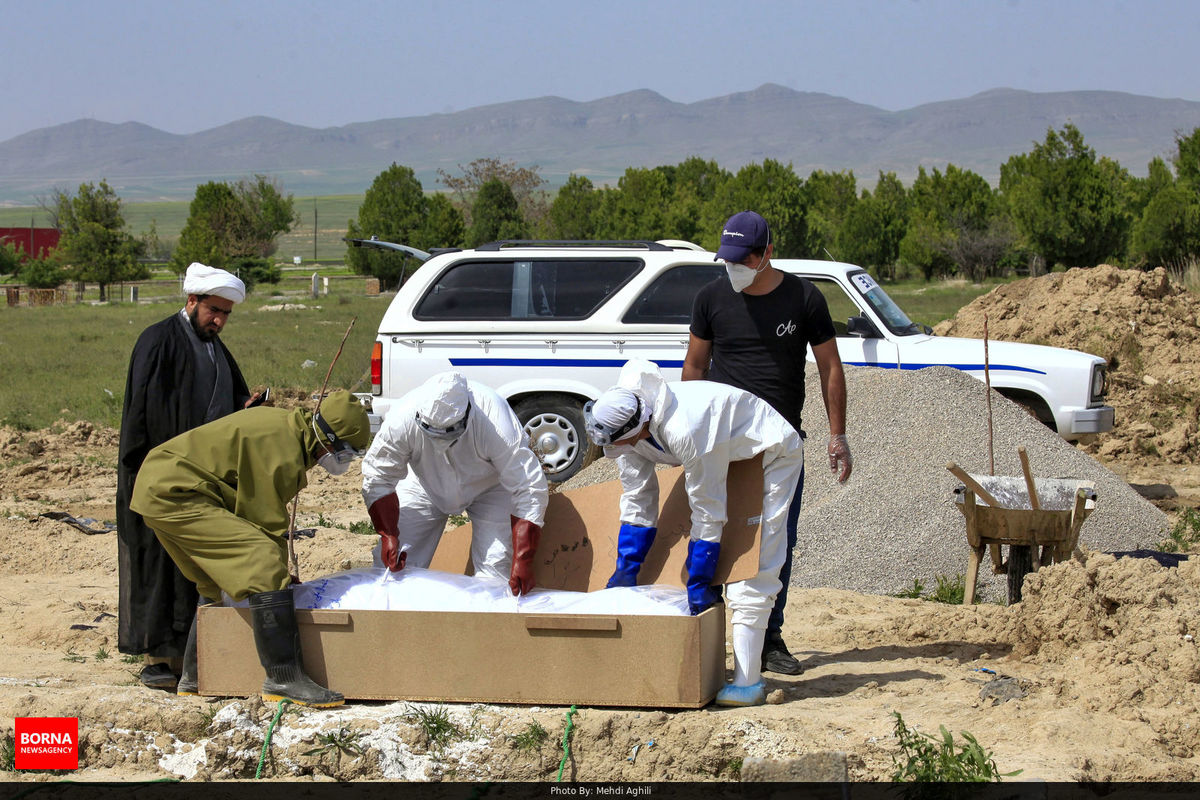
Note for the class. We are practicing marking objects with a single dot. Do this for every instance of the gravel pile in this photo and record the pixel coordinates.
(895, 520)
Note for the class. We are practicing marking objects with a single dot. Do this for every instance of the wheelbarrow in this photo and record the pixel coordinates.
(1039, 521)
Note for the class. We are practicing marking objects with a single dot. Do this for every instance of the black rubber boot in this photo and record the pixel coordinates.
(776, 658)
(189, 683)
(189, 676)
(277, 636)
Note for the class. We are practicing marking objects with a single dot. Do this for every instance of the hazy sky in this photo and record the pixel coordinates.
(187, 66)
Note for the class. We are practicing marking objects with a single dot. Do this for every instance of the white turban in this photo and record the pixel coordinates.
(202, 279)
(445, 401)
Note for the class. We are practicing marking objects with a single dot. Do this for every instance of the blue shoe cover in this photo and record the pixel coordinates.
(753, 695)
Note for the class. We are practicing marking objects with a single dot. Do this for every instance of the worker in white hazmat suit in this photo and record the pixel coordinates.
(703, 426)
(449, 446)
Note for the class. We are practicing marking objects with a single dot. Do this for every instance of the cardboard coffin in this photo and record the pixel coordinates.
(586, 659)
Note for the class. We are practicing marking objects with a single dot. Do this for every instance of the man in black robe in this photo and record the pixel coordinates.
(180, 376)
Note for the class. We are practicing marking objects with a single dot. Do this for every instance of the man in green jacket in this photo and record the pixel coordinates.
(216, 497)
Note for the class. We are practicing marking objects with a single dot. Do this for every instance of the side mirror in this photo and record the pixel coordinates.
(862, 327)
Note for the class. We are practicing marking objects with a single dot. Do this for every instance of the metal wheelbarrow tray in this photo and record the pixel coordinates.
(1036, 537)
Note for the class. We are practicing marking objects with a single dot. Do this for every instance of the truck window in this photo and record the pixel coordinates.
(541, 289)
(668, 300)
(841, 307)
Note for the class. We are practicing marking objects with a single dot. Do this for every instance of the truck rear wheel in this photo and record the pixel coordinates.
(555, 427)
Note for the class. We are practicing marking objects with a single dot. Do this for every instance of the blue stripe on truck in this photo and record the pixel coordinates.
(963, 367)
(671, 363)
(553, 362)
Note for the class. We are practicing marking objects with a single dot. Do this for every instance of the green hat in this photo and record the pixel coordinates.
(347, 418)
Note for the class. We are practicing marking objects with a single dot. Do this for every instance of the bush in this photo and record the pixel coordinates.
(10, 259)
(253, 271)
(42, 274)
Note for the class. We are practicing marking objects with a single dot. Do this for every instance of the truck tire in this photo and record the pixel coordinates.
(1020, 564)
(554, 423)
(1034, 405)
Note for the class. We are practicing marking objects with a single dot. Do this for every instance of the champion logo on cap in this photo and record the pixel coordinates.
(744, 232)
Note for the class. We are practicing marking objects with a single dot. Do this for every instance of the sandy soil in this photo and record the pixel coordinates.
(1095, 676)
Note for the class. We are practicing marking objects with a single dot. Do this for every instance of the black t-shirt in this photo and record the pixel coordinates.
(760, 341)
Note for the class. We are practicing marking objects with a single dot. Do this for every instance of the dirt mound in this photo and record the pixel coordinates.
(1146, 326)
(1127, 630)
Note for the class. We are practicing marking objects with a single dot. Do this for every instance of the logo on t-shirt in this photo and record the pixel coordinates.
(786, 328)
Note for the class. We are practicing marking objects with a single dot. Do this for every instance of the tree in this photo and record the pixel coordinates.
(572, 215)
(828, 198)
(871, 233)
(201, 238)
(1167, 231)
(691, 185)
(396, 209)
(770, 188)
(443, 223)
(636, 209)
(495, 215)
(94, 242)
(1069, 206)
(231, 223)
(1187, 157)
(524, 183)
(956, 222)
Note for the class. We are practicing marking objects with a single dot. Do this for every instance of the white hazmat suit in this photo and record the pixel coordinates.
(488, 471)
(703, 426)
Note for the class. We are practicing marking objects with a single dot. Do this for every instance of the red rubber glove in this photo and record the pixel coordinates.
(525, 537)
(385, 516)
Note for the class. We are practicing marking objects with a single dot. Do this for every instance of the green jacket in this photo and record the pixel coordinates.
(252, 463)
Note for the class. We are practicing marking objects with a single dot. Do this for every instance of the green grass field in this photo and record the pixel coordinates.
(69, 361)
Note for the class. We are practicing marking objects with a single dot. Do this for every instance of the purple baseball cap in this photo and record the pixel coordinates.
(743, 232)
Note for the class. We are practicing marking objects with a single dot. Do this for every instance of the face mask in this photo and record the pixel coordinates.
(329, 463)
(740, 276)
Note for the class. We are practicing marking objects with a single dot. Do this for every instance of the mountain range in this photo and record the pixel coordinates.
(599, 139)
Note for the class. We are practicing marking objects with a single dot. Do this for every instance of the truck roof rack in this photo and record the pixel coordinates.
(643, 243)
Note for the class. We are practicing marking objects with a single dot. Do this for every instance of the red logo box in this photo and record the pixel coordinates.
(47, 743)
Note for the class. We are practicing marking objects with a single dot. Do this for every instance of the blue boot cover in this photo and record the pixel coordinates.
(753, 695)
(633, 542)
(701, 566)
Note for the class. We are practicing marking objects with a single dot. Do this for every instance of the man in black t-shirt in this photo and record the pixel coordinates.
(752, 330)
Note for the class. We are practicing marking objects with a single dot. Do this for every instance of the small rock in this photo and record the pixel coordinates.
(1149, 380)
(775, 698)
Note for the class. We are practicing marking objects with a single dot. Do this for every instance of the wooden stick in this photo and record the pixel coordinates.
(971, 484)
(293, 560)
(987, 383)
(1033, 498)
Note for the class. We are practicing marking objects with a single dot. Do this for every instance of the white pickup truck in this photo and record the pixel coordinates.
(549, 324)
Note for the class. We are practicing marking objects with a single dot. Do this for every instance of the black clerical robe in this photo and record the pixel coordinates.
(162, 400)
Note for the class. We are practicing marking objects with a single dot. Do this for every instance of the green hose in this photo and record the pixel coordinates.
(267, 739)
(566, 748)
